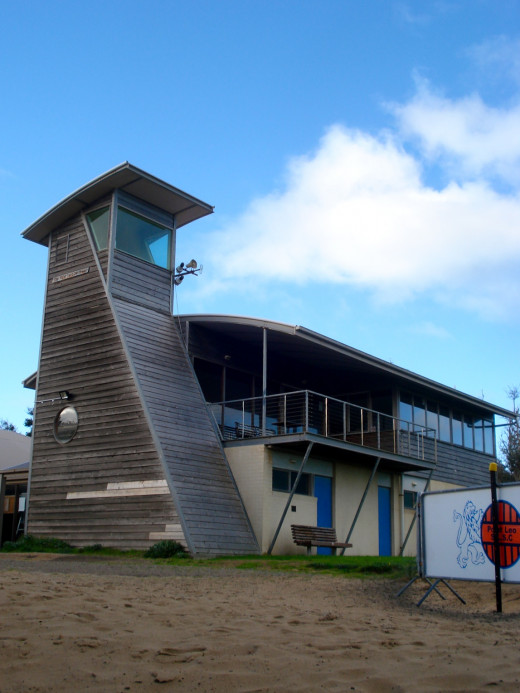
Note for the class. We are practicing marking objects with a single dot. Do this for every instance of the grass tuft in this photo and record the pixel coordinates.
(30, 544)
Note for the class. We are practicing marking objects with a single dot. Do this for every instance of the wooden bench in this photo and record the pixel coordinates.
(303, 535)
(247, 431)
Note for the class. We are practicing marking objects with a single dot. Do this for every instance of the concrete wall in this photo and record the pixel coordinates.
(408, 515)
(252, 468)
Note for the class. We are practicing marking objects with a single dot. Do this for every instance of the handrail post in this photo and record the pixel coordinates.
(344, 421)
(306, 411)
(362, 427)
(243, 417)
(326, 416)
(378, 425)
(285, 414)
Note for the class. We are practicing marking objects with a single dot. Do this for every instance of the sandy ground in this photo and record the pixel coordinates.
(70, 624)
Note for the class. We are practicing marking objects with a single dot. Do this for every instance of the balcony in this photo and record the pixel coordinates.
(306, 412)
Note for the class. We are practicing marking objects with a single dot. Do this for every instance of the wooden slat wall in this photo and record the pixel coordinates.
(82, 353)
(213, 513)
(141, 282)
(458, 465)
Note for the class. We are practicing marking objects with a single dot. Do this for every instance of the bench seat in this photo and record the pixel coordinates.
(305, 535)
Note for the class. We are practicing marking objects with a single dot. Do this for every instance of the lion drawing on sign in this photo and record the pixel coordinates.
(468, 535)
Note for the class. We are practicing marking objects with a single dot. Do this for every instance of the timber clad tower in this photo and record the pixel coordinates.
(125, 452)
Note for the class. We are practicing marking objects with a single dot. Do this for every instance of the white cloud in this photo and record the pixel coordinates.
(499, 58)
(357, 212)
(472, 138)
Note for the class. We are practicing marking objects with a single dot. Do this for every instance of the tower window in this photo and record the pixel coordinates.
(98, 221)
(143, 238)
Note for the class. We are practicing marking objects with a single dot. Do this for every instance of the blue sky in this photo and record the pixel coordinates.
(362, 157)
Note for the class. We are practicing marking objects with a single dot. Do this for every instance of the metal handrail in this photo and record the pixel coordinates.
(306, 411)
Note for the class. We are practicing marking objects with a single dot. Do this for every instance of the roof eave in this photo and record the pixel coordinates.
(409, 376)
(131, 179)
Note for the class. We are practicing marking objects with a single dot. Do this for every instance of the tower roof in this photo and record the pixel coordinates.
(125, 177)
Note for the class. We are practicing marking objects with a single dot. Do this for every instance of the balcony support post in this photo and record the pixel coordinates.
(264, 378)
(293, 491)
(362, 502)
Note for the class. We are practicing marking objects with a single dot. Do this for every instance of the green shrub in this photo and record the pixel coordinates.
(166, 549)
(28, 544)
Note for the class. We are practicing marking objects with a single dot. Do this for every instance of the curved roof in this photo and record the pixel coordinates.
(125, 177)
(303, 344)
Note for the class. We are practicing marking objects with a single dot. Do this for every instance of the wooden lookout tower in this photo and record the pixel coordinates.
(125, 452)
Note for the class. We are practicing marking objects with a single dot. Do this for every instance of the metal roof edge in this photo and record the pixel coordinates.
(104, 184)
(340, 347)
(405, 373)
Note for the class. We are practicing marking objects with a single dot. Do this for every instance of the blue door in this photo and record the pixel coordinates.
(385, 521)
(323, 492)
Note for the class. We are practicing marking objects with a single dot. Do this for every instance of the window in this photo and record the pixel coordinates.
(432, 419)
(478, 434)
(405, 409)
(489, 437)
(467, 427)
(410, 499)
(98, 222)
(143, 238)
(283, 480)
(444, 425)
(457, 428)
(419, 413)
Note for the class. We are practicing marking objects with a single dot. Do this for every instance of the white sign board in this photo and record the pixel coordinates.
(456, 535)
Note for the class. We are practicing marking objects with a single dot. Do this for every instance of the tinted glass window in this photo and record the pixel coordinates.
(468, 431)
(280, 480)
(98, 222)
(457, 428)
(142, 238)
(419, 412)
(478, 432)
(432, 419)
(405, 409)
(444, 424)
(283, 480)
(410, 499)
(488, 436)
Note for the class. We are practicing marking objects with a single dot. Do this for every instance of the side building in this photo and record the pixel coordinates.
(217, 431)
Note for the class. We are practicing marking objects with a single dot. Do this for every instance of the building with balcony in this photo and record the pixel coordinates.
(217, 431)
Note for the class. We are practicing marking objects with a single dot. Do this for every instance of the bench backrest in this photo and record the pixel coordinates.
(303, 533)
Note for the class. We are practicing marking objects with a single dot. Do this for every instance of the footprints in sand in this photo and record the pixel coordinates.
(181, 655)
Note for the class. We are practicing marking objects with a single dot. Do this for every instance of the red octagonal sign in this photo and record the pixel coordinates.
(508, 534)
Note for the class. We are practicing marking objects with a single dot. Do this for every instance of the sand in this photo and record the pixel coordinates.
(115, 625)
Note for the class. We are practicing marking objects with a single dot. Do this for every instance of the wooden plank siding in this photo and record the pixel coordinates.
(215, 521)
(141, 282)
(461, 466)
(82, 352)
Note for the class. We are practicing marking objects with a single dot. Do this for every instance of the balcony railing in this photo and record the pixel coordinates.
(309, 412)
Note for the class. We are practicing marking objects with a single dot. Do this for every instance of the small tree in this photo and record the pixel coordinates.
(510, 442)
(28, 423)
(6, 425)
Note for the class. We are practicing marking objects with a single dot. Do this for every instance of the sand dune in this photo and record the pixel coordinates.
(110, 625)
